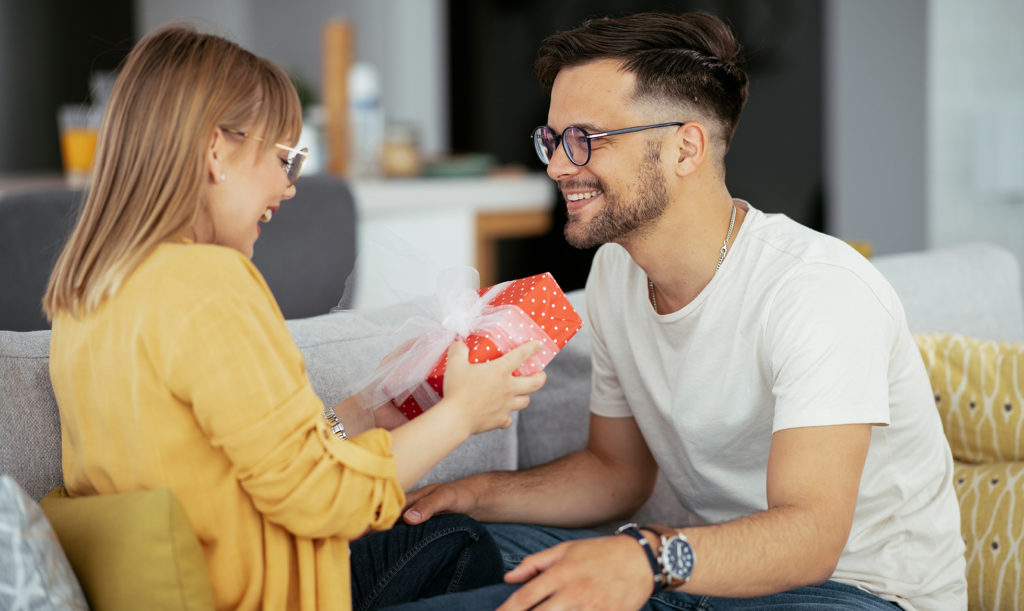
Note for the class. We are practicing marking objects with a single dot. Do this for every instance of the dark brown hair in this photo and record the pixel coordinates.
(690, 60)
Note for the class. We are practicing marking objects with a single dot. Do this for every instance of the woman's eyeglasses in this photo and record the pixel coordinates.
(296, 156)
(576, 141)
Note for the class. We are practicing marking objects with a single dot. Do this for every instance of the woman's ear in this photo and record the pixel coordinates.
(215, 155)
(690, 147)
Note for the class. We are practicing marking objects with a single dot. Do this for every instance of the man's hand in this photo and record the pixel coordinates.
(603, 573)
(452, 497)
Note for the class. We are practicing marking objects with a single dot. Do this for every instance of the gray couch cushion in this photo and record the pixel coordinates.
(29, 422)
(309, 248)
(555, 423)
(34, 228)
(344, 347)
(971, 289)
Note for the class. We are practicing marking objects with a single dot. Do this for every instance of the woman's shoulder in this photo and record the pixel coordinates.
(189, 267)
(200, 260)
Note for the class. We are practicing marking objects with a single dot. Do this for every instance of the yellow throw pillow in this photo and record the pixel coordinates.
(135, 550)
(979, 391)
(992, 522)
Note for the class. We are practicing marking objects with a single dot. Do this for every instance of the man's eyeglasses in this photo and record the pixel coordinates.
(576, 141)
(296, 157)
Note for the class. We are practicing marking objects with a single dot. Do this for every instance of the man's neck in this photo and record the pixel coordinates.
(681, 251)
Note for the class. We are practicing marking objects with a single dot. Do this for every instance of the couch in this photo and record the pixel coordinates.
(305, 255)
(973, 291)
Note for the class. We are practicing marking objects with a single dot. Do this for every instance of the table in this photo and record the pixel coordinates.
(449, 221)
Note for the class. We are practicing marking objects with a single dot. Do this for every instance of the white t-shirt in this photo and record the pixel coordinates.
(796, 329)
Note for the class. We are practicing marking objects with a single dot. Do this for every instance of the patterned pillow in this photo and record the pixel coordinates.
(34, 573)
(992, 522)
(979, 391)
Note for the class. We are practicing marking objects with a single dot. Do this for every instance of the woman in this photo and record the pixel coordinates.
(173, 368)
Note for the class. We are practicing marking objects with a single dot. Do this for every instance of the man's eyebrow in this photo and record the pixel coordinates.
(590, 128)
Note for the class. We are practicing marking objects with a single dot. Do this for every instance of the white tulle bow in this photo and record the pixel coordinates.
(455, 312)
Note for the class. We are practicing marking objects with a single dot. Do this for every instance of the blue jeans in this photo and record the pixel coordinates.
(519, 540)
(446, 554)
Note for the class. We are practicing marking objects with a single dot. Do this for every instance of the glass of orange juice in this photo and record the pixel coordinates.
(79, 126)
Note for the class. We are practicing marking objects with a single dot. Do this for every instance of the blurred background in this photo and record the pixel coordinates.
(895, 122)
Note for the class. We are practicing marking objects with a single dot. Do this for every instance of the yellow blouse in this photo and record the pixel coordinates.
(188, 379)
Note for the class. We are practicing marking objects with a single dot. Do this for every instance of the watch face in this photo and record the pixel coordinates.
(679, 558)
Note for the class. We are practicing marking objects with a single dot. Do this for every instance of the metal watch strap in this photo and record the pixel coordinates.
(633, 530)
(336, 426)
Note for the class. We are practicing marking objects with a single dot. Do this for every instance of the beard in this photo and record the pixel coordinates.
(619, 218)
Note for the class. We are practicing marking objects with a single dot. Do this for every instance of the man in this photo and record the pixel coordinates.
(766, 369)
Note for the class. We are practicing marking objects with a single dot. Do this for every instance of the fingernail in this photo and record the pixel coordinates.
(413, 515)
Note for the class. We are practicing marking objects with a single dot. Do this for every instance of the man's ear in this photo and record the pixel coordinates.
(690, 146)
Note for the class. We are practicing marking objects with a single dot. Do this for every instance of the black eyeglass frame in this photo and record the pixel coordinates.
(297, 154)
(540, 131)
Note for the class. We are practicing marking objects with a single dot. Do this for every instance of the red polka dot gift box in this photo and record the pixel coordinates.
(519, 311)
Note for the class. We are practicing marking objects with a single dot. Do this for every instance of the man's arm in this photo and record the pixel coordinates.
(608, 479)
(813, 478)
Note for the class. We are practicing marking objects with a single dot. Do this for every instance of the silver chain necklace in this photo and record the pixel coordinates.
(721, 257)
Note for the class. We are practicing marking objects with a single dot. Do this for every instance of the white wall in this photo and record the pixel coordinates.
(906, 84)
(405, 40)
(976, 67)
(229, 18)
(875, 140)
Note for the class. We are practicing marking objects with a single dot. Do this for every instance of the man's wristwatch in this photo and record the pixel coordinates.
(633, 530)
(676, 558)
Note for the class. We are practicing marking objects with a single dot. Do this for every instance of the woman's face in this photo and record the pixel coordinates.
(245, 189)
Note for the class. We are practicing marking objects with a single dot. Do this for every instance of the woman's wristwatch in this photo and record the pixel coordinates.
(336, 426)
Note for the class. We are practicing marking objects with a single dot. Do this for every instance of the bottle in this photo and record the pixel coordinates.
(367, 120)
(313, 138)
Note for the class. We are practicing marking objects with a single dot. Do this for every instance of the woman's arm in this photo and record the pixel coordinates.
(477, 398)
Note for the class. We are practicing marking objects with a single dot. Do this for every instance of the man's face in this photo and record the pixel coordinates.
(622, 189)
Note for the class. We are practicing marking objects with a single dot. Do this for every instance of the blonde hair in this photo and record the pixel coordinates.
(175, 87)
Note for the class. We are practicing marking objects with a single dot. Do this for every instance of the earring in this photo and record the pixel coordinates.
(223, 177)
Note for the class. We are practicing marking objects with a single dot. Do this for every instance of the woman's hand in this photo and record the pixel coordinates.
(486, 394)
(477, 398)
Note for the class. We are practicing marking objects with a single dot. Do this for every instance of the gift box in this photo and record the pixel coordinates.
(537, 309)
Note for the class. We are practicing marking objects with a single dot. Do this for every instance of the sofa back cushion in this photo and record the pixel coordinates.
(973, 289)
(344, 347)
(29, 422)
